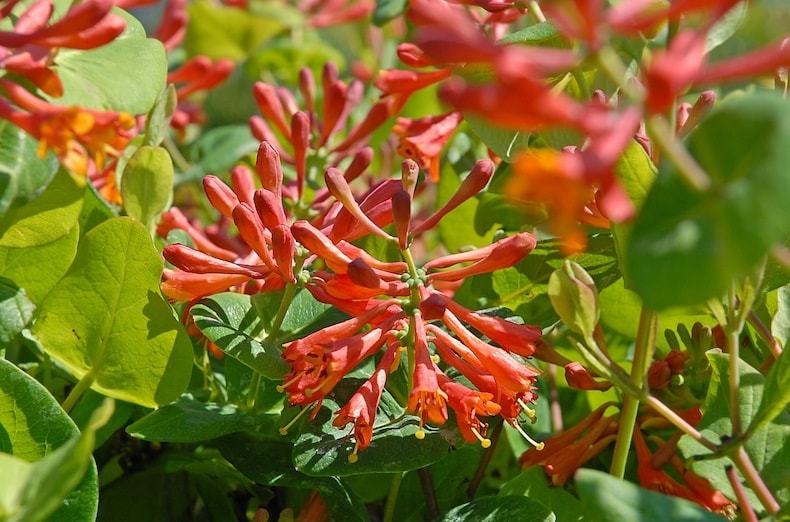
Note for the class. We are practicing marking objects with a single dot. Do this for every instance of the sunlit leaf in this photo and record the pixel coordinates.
(147, 184)
(107, 322)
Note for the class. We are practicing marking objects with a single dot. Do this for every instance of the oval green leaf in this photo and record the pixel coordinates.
(147, 184)
(494, 509)
(107, 322)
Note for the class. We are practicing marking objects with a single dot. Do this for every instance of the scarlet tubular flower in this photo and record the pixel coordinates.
(426, 398)
(361, 408)
(195, 75)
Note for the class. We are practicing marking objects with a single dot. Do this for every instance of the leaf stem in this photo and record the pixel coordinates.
(733, 348)
(82, 386)
(484, 462)
(392, 497)
(755, 481)
(428, 492)
(643, 353)
(740, 494)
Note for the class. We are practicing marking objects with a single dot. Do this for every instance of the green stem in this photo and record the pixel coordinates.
(78, 391)
(581, 80)
(663, 135)
(474, 484)
(732, 332)
(670, 415)
(288, 297)
(180, 161)
(392, 498)
(252, 394)
(643, 352)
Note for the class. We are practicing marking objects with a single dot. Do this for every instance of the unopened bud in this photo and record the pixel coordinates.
(300, 138)
(220, 195)
(658, 375)
(283, 248)
(359, 163)
(409, 172)
(433, 307)
(579, 378)
(575, 298)
(267, 165)
(270, 208)
(401, 215)
(361, 274)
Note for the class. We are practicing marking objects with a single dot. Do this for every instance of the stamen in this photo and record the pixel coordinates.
(538, 445)
(435, 358)
(529, 412)
(354, 457)
(486, 443)
(310, 391)
(281, 387)
(284, 429)
(420, 433)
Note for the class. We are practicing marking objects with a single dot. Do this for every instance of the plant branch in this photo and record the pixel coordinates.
(81, 387)
(392, 497)
(755, 481)
(428, 492)
(643, 353)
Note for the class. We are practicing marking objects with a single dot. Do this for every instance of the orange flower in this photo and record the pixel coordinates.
(423, 139)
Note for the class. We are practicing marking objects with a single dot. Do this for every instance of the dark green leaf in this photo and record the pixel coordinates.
(494, 509)
(768, 448)
(323, 450)
(109, 77)
(504, 142)
(231, 322)
(305, 315)
(269, 462)
(16, 310)
(192, 421)
(95, 210)
(688, 246)
(776, 394)
(780, 325)
(386, 10)
(532, 483)
(106, 320)
(23, 174)
(220, 148)
(32, 426)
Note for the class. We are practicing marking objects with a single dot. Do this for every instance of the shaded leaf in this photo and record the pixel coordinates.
(532, 483)
(687, 246)
(23, 174)
(269, 462)
(232, 323)
(192, 421)
(609, 499)
(106, 320)
(33, 426)
(16, 310)
(492, 509)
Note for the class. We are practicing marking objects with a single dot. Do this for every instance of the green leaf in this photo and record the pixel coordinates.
(725, 26)
(230, 321)
(268, 462)
(493, 509)
(532, 483)
(322, 449)
(192, 421)
(523, 287)
(125, 75)
(610, 499)
(457, 228)
(386, 10)
(541, 33)
(768, 448)
(157, 123)
(780, 325)
(776, 394)
(147, 184)
(226, 32)
(49, 217)
(688, 246)
(107, 322)
(306, 315)
(16, 310)
(37, 269)
(23, 174)
(33, 426)
(636, 173)
(219, 149)
(95, 210)
(504, 142)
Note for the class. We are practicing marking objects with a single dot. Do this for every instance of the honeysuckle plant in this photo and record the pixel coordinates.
(394, 260)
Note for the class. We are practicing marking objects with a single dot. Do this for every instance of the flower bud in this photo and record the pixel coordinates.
(658, 375)
(574, 297)
(267, 165)
(220, 195)
(361, 274)
(579, 378)
(401, 215)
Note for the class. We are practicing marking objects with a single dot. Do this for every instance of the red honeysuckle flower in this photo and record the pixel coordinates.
(426, 398)
(579, 378)
(423, 139)
(361, 408)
